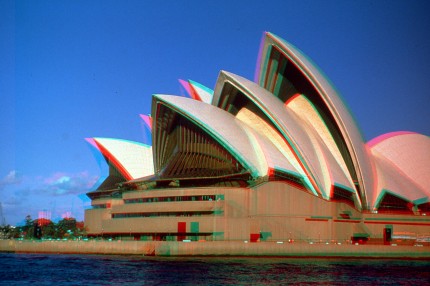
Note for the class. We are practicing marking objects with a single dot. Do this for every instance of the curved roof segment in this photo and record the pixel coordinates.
(253, 150)
(197, 91)
(312, 149)
(274, 74)
(132, 159)
(203, 92)
(278, 154)
(390, 180)
(221, 126)
(147, 119)
(329, 157)
(271, 107)
(402, 165)
(146, 129)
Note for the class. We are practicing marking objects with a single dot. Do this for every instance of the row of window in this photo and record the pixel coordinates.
(102, 206)
(175, 199)
(166, 214)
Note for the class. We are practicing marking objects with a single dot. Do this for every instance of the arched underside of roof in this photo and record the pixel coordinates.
(187, 127)
(285, 71)
(424, 208)
(189, 151)
(392, 203)
(192, 153)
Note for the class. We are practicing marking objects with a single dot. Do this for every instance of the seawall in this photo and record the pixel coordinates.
(217, 248)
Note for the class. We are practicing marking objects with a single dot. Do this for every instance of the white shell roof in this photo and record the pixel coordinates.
(343, 118)
(274, 109)
(307, 112)
(269, 154)
(391, 179)
(219, 124)
(331, 163)
(396, 163)
(277, 152)
(147, 119)
(301, 134)
(254, 151)
(197, 91)
(132, 159)
(403, 165)
(204, 92)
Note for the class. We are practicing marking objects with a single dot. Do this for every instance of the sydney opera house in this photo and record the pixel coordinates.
(279, 158)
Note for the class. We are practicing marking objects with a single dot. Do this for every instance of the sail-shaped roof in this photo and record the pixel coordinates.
(219, 125)
(197, 91)
(302, 133)
(284, 70)
(402, 166)
(291, 123)
(132, 159)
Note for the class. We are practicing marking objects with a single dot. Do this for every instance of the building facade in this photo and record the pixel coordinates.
(275, 159)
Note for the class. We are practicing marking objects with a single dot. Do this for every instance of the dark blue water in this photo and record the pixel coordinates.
(37, 269)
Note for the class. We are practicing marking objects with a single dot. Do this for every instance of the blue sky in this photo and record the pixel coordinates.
(76, 69)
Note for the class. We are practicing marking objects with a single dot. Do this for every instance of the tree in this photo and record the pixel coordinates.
(66, 227)
(28, 229)
(5, 232)
(28, 221)
(47, 227)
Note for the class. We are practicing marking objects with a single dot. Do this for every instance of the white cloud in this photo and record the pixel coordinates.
(58, 192)
(64, 184)
(11, 178)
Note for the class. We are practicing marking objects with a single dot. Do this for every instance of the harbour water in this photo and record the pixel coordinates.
(46, 269)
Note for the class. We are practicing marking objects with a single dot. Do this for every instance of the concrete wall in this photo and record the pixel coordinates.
(274, 211)
(167, 248)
